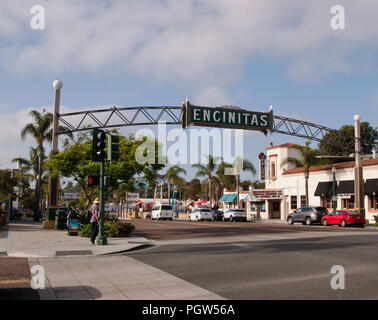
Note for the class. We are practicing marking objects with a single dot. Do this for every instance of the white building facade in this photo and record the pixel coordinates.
(286, 185)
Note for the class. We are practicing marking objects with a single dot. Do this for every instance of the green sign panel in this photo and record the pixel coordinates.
(232, 118)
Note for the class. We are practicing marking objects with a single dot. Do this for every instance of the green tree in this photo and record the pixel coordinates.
(242, 165)
(7, 182)
(75, 162)
(193, 189)
(173, 177)
(207, 170)
(342, 141)
(40, 130)
(245, 184)
(223, 180)
(306, 160)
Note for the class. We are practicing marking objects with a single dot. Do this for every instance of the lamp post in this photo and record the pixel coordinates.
(54, 181)
(358, 180)
(334, 202)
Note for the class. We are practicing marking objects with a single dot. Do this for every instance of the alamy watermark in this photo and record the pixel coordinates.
(38, 278)
(191, 146)
(338, 19)
(338, 280)
(38, 21)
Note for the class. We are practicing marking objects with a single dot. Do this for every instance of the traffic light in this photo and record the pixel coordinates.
(113, 147)
(93, 181)
(98, 145)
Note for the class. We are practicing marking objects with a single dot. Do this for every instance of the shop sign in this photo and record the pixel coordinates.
(265, 194)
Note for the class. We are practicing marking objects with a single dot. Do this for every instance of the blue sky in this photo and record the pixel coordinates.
(129, 53)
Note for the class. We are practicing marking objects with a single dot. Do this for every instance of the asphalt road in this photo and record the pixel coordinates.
(297, 268)
(179, 229)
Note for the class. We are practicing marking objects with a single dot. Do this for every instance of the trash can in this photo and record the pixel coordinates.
(60, 220)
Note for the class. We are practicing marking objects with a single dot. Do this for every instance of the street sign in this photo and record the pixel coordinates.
(226, 117)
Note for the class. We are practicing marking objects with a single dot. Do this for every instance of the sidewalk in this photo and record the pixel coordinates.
(27, 239)
(15, 280)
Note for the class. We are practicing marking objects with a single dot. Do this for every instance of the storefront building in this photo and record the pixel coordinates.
(228, 200)
(287, 184)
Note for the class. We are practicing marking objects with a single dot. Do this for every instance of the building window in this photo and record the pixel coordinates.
(273, 170)
(348, 203)
(293, 202)
(374, 202)
(327, 202)
(351, 202)
(303, 201)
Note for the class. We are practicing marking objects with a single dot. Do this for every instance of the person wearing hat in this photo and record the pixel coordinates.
(94, 219)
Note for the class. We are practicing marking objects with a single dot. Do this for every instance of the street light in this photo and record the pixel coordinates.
(53, 181)
(334, 203)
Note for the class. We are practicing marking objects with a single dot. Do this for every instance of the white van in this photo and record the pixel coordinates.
(164, 212)
(200, 214)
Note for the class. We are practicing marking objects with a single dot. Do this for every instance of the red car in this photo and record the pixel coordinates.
(343, 218)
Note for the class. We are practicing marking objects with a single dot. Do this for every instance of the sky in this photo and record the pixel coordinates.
(250, 54)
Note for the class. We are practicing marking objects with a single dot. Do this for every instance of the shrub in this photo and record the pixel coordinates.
(85, 230)
(376, 220)
(112, 229)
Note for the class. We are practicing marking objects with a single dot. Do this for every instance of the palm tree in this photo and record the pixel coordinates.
(40, 130)
(241, 165)
(173, 177)
(307, 159)
(222, 179)
(207, 171)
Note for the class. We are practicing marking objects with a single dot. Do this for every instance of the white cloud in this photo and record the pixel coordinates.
(213, 96)
(12, 122)
(206, 42)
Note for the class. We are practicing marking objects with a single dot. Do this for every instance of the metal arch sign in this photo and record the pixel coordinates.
(223, 117)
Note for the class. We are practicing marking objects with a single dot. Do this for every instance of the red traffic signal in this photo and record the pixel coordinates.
(93, 181)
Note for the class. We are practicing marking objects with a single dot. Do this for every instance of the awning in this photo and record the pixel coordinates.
(371, 186)
(324, 189)
(345, 187)
(230, 197)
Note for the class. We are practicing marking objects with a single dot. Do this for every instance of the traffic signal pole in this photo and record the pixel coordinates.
(101, 238)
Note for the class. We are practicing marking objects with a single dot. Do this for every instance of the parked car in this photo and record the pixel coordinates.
(235, 215)
(148, 215)
(344, 218)
(307, 215)
(217, 215)
(164, 212)
(200, 214)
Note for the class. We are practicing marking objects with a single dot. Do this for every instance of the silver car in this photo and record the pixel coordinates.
(307, 215)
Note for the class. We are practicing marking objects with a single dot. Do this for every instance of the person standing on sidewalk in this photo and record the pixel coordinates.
(94, 219)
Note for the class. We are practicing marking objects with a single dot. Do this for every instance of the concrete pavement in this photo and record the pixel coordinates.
(113, 277)
(27, 239)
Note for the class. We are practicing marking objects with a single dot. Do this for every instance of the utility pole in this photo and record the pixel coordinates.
(52, 206)
(358, 177)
